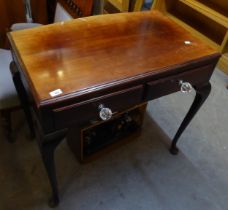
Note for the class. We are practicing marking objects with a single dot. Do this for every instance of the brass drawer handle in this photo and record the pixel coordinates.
(105, 113)
(185, 87)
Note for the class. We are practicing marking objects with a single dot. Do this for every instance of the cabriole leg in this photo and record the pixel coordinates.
(47, 146)
(22, 97)
(7, 124)
(201, 95)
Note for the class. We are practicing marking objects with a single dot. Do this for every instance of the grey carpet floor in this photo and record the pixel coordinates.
(141, 175)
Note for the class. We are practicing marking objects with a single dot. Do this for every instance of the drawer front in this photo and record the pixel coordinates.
(89, 110)
(158, 88)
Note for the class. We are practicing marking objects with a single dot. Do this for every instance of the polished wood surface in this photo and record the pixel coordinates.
(206, 19)
(11, 12)
(77, 8)
(90, 52)
(39, 11)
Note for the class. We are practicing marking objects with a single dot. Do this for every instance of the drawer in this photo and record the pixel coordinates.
(158, 88)
(86, 111)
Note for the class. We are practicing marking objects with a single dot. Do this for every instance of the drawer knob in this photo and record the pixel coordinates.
(105, 113)
(186, 87)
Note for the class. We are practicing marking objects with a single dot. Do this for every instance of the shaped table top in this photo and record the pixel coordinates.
(84, 54)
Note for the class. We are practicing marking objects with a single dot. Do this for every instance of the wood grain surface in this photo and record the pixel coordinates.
(86, 53)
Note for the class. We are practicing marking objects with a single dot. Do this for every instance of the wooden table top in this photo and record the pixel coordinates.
(81, 55)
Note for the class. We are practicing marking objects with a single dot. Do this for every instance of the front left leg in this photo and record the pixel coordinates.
(201, 95)
(47, 153)
(48, 145)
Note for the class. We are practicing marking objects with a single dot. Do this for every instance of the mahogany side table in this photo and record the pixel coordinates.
(72, 73)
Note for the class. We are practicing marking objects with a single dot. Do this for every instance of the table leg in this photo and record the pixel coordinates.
(22, 97)
(7, 124)
(47, 143)
(47, 149)
(201, 95)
